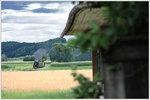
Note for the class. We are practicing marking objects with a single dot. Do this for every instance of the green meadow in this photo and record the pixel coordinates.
(67, 94)
(28, 65)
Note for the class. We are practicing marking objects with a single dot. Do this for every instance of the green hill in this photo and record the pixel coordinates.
(15, 49)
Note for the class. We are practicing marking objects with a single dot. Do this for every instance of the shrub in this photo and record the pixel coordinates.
(29, 58)
(87, 88)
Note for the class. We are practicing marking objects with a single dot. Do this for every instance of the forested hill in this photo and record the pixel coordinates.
(16, 49)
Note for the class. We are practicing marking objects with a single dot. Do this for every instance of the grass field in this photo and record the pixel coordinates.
(16, 59)
(28, 65)
(37, 95)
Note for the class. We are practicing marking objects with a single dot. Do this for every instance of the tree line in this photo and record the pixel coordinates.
(62, 52)
(54, 49)
(15, 49)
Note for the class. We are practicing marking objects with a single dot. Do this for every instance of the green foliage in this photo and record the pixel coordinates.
(16, 59)
(29, 58)
(68, 53)
(16, 49)
(4, 57)
(123, 18)
(37, 95)
(44, 57)
(7, 68)
(70, 64)
(61, 53)
(127, 17)
(113, 68)
(87, 88)
(78, 56)
(52, 54)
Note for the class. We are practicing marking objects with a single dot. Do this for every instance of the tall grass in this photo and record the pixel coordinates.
(37, 95)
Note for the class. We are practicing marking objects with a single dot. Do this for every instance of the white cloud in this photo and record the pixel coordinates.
(33, 6)
(26, 26)
(29, 32)
(51, 6)
(68, 37)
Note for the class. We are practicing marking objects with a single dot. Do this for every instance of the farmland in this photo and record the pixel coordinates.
(28, 65)
(20, 78)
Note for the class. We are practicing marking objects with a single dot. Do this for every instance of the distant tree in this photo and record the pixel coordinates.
(44, 57)
(78, 56)
(4, 57)
(53, 54)
(61, 53)
(83, 56)
(29, 58)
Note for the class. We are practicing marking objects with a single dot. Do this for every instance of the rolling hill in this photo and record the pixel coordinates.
(15, 49)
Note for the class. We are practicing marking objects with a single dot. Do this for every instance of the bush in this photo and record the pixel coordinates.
(29, 58)
(87, 88)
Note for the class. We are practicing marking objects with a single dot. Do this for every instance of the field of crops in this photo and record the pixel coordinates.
(40, 80)
(18, 77)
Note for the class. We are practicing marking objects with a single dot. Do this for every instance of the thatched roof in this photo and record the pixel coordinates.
(80, 16)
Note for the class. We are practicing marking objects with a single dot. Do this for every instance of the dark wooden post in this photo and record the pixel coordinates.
(94, 62)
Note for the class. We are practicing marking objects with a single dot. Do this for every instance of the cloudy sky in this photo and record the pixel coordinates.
(33, 21)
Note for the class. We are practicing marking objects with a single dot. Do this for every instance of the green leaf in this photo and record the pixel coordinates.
(71, 42)
(104, 42)
(74, 74)
(112, 68)
(90, 90)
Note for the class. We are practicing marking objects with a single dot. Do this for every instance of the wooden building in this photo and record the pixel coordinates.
(130, 53)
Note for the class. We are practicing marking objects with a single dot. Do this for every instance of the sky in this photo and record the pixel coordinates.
(34, 21)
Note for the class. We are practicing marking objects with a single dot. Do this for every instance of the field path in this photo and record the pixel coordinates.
(40, 80)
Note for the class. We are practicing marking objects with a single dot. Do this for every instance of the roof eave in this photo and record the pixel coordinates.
(72, 15)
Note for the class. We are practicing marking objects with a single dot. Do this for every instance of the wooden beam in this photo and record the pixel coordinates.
(94, 62)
